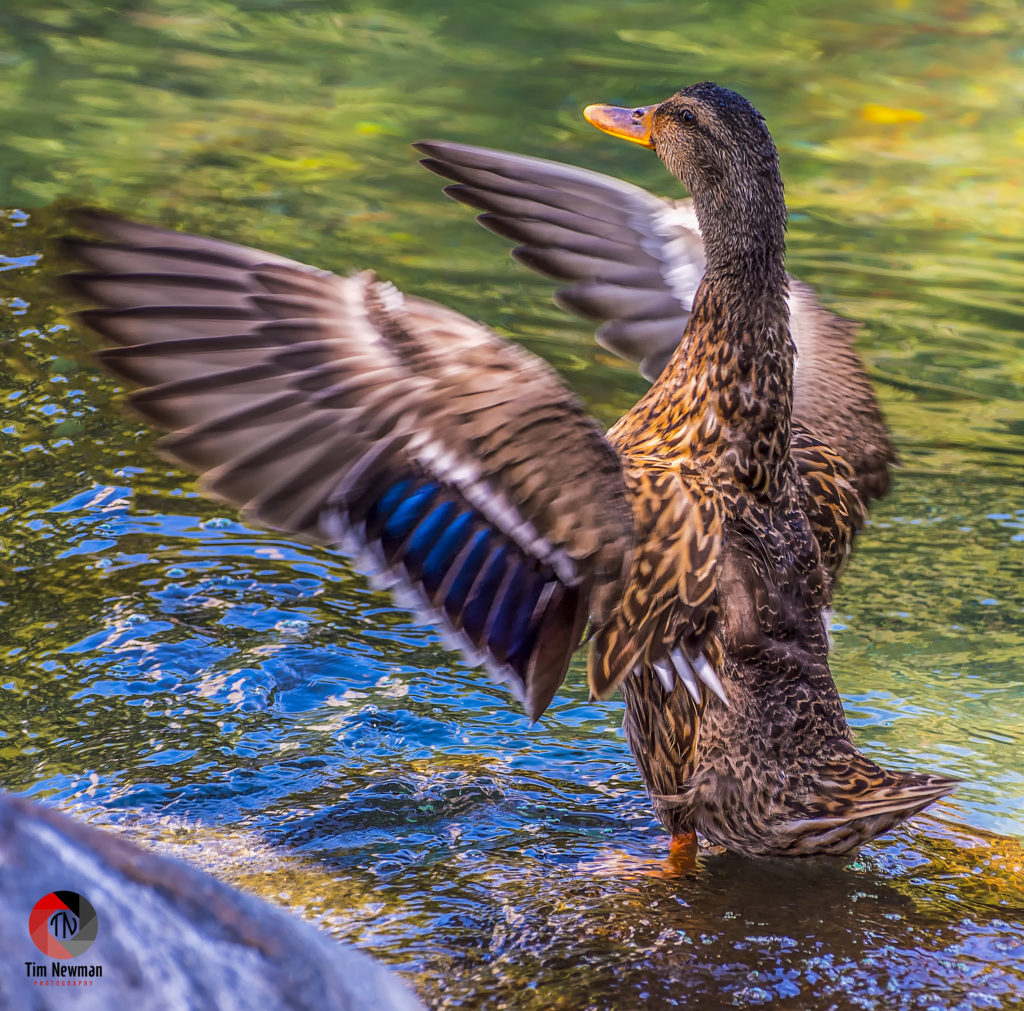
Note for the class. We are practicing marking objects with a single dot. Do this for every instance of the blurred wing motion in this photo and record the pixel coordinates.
(634, 261)
(340, 410)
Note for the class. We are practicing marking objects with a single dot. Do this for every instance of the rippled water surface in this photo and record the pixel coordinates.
(251, 704)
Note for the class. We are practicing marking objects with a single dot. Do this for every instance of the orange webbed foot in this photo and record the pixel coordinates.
(682, 851)
(681, 861)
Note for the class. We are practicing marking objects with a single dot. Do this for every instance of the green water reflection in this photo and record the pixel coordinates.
(252, 704)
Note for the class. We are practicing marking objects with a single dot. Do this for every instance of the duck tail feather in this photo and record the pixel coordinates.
(848, 821)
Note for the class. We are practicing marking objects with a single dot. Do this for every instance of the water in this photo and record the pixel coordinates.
(250, 704)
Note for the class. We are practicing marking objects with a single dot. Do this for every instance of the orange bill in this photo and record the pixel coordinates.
(629, 124)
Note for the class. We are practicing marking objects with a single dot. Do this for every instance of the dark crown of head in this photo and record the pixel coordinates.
(728, 107)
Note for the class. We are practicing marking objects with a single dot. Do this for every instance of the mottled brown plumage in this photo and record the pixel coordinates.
(775, 771)
(701, 536)
(760, 440)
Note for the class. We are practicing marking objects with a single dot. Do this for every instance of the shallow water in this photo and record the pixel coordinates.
(249, 703)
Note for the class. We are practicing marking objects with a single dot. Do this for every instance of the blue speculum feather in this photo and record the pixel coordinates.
(390, 500)
(437, 542)
(407, 513)
(425, 535)
(446, 549)
(523, 621)
(476, 552)
(505, 630)
(474, 617)
(525, 628)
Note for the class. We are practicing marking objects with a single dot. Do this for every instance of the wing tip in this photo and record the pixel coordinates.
(433, 148)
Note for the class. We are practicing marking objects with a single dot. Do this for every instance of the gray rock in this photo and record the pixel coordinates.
(169, 937)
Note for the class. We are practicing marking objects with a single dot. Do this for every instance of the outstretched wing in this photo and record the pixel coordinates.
(340, 410)
(634, 261)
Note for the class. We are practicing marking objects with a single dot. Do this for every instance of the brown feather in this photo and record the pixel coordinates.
(303, 397)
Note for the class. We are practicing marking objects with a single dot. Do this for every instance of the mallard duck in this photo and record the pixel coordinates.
(699, 537)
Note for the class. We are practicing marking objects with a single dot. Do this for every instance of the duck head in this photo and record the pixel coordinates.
(717, 144)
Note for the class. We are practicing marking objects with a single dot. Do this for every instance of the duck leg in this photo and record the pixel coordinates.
(682, 853)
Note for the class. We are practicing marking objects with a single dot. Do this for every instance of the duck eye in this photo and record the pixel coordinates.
(688, 116)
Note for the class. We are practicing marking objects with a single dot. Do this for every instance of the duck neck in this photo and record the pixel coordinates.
(728, 386)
